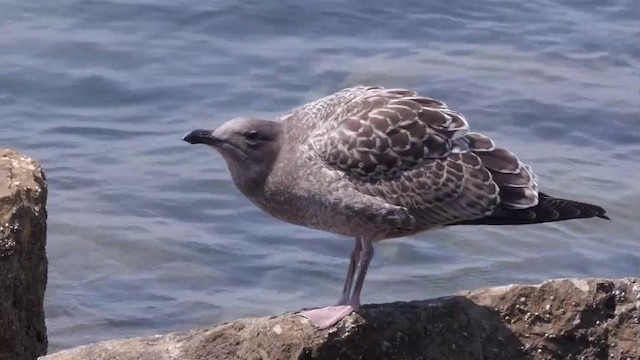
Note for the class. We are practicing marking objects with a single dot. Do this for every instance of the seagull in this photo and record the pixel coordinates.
(372, 164)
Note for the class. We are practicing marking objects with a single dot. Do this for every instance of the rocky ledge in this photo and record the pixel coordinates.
(23, 261)
(559, 319)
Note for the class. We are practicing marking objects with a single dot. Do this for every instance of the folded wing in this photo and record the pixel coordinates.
(415, 152)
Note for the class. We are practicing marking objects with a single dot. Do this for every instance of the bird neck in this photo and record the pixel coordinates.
(248, 178)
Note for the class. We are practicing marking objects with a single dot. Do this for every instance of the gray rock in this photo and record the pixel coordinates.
(23, 261)
(559, 319)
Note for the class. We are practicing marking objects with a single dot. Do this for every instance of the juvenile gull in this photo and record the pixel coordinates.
(374, 164)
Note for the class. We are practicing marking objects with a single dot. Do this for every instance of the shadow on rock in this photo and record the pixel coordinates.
(444, 328)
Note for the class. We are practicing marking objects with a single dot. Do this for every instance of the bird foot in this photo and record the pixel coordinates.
(328, 316)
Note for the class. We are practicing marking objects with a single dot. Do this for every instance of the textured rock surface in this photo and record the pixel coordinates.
(23, 261)
(560, 319)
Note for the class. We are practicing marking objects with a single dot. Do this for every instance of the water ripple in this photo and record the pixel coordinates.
(148, 234)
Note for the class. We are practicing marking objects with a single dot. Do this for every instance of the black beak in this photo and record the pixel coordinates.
(201, 137)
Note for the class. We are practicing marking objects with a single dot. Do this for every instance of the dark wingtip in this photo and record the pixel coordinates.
(548, 209)
(601, 212)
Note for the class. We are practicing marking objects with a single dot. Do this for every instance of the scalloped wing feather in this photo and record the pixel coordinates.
(417, 153)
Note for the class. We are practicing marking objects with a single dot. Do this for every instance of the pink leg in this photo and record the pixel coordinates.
(329, 316)
(353, 263)
(365, 260)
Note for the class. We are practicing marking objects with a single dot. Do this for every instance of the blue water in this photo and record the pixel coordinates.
(148, 235)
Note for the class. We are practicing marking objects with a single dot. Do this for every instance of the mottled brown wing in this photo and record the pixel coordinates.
(383, 131)
(440, 191)
(415, 152)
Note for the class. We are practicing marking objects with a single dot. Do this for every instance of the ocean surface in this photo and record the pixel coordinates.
(148, 234)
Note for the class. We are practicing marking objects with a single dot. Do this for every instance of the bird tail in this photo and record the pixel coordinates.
(548, 209)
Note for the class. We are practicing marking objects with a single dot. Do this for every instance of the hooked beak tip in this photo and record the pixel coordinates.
(200, 137)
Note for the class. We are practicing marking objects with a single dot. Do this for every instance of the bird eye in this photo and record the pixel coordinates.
(251, 135)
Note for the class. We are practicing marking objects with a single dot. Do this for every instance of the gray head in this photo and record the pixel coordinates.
(249, 146)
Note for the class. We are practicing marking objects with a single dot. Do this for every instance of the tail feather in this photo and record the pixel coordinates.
(548, 209)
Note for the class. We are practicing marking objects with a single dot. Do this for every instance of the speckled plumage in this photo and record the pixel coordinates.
(403, 162)
(375, 164)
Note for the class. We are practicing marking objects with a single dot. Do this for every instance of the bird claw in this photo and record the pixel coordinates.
(326, 317)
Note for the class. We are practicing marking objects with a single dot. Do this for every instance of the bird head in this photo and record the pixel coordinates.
(250, 147)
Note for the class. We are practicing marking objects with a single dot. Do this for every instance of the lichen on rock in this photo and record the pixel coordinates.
(23, 262)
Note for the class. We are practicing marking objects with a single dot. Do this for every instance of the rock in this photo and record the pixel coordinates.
(23, 261)
(559, 319)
